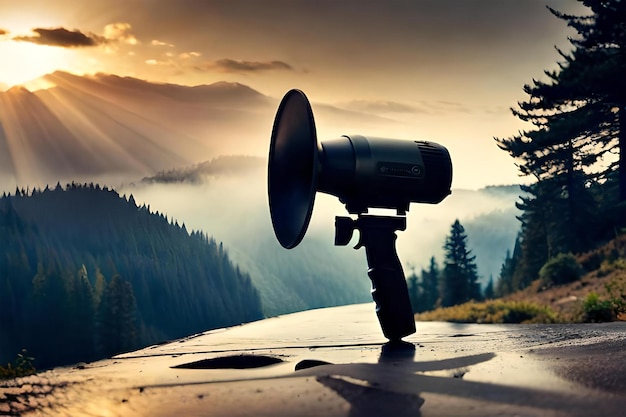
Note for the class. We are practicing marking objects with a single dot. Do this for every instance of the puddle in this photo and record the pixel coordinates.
(310, 363)
(232, 362)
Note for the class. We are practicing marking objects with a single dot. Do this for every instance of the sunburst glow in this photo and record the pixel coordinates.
(23, 62)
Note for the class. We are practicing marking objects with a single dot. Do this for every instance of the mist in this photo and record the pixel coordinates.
(233, 208)
(111, 130)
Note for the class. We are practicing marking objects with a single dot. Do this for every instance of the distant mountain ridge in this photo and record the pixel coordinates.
(110, 129)
(90, 127)
(74, 259)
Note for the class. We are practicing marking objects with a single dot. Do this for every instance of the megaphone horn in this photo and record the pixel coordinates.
(292, 169)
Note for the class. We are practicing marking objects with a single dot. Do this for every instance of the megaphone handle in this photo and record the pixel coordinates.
(389, 288)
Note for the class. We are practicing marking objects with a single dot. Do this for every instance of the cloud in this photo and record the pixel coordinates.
(113, 33)
(3, 32)
(231, 65)
(440, 107)
(380, 106)
(189, 55)
(222, 166)
(156, 42)
(62, 37)
(120, 32)
(449, 106)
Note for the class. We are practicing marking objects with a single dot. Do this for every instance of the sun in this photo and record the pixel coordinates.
(23, 62)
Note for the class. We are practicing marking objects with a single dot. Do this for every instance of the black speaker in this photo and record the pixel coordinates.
(363, 172)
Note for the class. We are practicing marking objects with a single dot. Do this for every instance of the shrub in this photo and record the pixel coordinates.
(597, 310)
(559, 270)
(22, 366)
(591, 261)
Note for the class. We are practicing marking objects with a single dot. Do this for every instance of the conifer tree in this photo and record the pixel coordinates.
(117, 317)
(430, 285)
(579, 114)
(459, 280)
(57, 248)
(576, 146)
(414, 292)
(489, 289)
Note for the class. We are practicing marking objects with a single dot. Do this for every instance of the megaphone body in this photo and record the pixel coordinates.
(366, 172)
(363, 172)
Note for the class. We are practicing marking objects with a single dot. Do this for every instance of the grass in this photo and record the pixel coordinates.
(599, 295)
(493, 311)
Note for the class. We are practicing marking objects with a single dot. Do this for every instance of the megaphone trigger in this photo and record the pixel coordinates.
(344, 228)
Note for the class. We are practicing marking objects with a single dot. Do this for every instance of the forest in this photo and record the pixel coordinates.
(85, 273)
(575, 151)
(574, 154)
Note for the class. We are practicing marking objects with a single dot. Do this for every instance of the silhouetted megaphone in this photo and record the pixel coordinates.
(363, 173)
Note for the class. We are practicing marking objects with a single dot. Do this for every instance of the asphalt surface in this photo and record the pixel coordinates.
(334, 362)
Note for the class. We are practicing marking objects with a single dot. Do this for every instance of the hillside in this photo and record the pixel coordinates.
(599, 294)
(604, 274)
(86, 273)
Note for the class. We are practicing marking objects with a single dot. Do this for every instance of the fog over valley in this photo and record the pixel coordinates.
(231, 205)
(198, 154)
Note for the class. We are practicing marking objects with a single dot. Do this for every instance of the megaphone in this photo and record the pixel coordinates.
(363, 172)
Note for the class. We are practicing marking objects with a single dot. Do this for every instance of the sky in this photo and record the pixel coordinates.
(440, 70)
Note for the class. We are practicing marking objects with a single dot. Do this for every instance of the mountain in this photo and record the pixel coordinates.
(104, 126)
(86, 273)
(228, 196)
(112, 129)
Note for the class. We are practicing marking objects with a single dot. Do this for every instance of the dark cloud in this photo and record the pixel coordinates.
(421, 107)
(3, 32)
(380, 106)
(62, 37)
(449, 106)
(231, 65)
(222, 166)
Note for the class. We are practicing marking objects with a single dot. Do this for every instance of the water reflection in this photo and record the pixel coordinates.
(372, 399)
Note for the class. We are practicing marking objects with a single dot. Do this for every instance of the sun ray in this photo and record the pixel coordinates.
(23, 61)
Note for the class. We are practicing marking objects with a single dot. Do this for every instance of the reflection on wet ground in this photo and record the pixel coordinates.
(310, 363)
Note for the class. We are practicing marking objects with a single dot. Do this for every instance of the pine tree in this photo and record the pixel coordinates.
(459, 281)
(414, 292)
(117, 317)
(57, 248)
(504, 284)
(489, 290)
(578, 119)
(594, 76)
(430, 285)
(579, 114)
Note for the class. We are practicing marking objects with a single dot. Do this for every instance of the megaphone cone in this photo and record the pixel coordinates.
(292, 169)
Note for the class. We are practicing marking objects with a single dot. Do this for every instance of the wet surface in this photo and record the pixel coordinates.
(232, 362)
(334, 362)
(600, 365)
